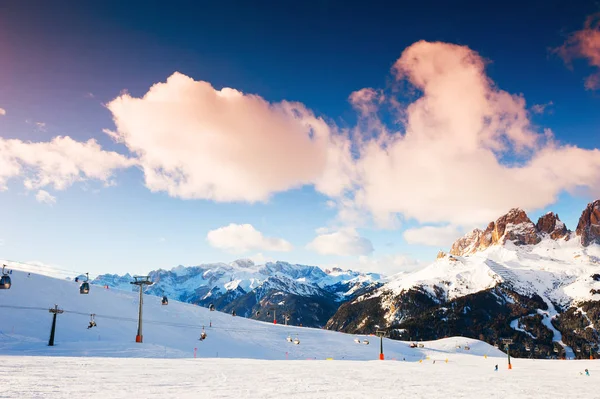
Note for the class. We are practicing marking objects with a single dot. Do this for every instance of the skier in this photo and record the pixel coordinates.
(587, 372)
(496, 369)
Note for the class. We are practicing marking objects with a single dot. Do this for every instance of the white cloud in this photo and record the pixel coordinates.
(2, 111)
(387, 265)
(239, 238)
(467, 152)
(436, 236)
(194, 141)
(345, 242)
(58, 163)
(45, 197)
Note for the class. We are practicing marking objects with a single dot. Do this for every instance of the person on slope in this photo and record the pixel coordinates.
(496, 369)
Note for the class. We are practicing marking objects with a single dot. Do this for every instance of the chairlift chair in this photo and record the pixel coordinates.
(211, 307)
(421, 346)
(578, 349)
(413, 345)
(202, 334)
(84, 288)
(165, 300)
(92, 321)
(357, 340)
(296, 341)
(289, 338)
(5, 282)
(366, 342)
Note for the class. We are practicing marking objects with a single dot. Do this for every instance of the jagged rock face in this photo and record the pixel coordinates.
(440, 255)
(588, 227)
(551, 225)
(515, 226)
(467, 244)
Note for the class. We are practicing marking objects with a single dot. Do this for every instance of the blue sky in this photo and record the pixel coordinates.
(62, 62)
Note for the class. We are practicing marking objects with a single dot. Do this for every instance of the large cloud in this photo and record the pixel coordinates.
(343, 242)
(240, 238)
(58, 163)
(194, 141)
(467, 152)
(585, 44)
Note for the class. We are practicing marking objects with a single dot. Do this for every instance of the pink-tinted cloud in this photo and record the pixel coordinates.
(58, 163)
(449, 162)
(585, 44)
(194, 141)
(366, 101)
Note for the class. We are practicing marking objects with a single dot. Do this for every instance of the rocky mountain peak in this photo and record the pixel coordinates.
(514, 226)
(588, 227)
(551, 225)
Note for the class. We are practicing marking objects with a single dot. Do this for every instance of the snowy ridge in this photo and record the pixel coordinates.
(172, 331)
(558, 270)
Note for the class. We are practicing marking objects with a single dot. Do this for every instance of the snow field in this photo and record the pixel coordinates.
(464, 377)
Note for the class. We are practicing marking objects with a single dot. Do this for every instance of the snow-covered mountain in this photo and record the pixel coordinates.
(538, 284)
(307, 294)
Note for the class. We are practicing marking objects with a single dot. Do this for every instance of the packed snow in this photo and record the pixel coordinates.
(235, 359)
(462, 377)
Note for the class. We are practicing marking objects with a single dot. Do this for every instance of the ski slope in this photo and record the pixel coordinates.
(464, 377)
(173, 331)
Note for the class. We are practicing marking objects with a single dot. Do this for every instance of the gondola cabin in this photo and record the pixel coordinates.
(5, 282)
(84, 288)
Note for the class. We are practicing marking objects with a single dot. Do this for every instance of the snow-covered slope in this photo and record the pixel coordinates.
(172, 330)
(560, 271)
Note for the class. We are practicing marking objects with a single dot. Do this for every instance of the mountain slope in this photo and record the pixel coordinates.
(538, 284)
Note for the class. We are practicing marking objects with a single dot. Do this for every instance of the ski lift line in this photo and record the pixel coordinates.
(131, 319)
(52, 268)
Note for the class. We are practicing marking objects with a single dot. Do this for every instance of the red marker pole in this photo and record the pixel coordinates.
(195, 349)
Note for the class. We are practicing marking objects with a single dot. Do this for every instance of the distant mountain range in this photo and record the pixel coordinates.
(307, 295)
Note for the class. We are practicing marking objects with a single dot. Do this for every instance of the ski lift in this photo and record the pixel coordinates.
(203, 334)
(4, 280)
(467, 347)
(289, 338)
(257, 313)
(296, 341)
(366, 342)
(211, 307)
(536, 349)
(413, 345)
(579, 350)
(92, 321)
(357, 340)
(165, 300)
(84, 288)
(457, 346)
(527, 348)
(233, 312)
(555, 350)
